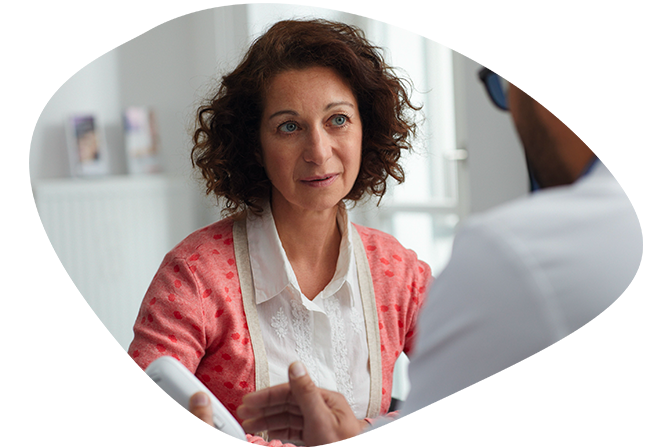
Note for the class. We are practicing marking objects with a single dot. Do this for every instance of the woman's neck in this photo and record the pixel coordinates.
(311, 240)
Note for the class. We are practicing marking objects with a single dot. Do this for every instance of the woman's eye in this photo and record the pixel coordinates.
(289, 127)
(339, 120)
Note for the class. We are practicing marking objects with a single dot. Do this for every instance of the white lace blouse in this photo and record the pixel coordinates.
(327, 334)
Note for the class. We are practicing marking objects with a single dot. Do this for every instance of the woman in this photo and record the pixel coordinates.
(311, 117)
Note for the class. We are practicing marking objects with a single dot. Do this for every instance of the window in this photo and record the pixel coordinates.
(423, 211)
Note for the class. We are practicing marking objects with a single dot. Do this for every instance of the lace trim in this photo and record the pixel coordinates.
(280, 323)
(358, 323)
(302, 331)
(340, 348)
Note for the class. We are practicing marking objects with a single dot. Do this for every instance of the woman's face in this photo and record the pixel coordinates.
(311, 139)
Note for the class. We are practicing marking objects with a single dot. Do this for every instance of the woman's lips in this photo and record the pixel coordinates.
(319, 181)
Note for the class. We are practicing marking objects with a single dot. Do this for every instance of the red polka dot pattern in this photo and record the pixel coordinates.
(394, 269)
(193, 310)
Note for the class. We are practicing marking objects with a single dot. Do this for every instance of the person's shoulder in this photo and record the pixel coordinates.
(386, 248)
(595, 200)
(374, 239)
(214, 238)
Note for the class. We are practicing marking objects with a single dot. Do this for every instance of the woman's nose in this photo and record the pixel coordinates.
(318, 148)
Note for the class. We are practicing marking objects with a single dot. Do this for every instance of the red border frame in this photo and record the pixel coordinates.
(85, 365)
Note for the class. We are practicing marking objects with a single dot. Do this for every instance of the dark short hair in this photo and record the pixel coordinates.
(226, 143)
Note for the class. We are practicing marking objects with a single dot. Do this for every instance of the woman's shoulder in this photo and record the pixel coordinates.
(384, 248)
(398, 276)
(214, 239)
(377, 241)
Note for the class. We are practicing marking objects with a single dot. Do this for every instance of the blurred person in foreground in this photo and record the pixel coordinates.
(310, 122)
(532, 336)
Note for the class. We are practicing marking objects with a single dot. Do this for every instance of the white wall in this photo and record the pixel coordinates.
(166, 68)
(73, 67)
(161, 68)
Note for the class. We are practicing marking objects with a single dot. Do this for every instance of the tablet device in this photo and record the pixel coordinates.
(169, 388)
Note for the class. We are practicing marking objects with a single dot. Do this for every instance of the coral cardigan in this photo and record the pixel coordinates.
(199, 309)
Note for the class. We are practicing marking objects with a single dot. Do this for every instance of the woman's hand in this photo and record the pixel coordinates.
(299, 410)
(201, 408)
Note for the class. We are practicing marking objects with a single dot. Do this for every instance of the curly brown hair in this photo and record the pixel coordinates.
(226, 140)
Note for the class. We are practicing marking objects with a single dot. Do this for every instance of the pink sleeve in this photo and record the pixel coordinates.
(171, 320)
(418, 293)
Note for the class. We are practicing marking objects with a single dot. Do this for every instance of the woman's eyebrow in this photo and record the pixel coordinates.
(339, 103)
(283, 112)
(328, 107)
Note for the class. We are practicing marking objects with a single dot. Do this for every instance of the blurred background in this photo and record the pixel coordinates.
(113, 215)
